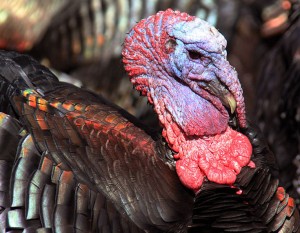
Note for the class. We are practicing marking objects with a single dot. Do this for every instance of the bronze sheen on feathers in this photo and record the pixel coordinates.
(73, 162)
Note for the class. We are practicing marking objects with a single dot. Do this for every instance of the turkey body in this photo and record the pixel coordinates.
(278, 102)
(42, 173)
(73, 162)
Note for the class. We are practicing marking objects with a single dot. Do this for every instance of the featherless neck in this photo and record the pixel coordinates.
(219, 158)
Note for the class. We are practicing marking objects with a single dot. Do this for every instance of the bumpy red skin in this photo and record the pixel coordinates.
(195, 123)
(219, 158)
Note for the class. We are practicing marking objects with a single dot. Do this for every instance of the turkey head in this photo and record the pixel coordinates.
(179, 62)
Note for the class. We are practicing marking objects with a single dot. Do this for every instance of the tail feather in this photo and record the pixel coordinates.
(9, 139)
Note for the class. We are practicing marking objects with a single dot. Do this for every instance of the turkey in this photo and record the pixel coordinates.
(23, 23)
(73, 162)
(278, 100)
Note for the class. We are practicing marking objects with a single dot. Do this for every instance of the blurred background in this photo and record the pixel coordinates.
(81, 41)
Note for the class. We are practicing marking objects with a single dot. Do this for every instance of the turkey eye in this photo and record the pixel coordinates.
(195, 55)
(170, 45)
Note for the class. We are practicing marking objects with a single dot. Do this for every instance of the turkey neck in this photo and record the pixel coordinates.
(204, 145)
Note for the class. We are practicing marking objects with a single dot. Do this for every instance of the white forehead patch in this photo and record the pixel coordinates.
(199, 31)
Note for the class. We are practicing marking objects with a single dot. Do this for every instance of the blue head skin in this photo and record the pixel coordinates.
(195, 48)
(180, 64)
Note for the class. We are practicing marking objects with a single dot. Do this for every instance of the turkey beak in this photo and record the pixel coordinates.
(229, 102)
(216, 88)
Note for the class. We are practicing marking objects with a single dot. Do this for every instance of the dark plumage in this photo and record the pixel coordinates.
(78, 163)
(279, 100)
(106, 142)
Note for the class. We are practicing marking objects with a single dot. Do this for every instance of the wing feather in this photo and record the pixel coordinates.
(107, 151)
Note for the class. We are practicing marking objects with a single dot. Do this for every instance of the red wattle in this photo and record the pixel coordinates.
(220, 158)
